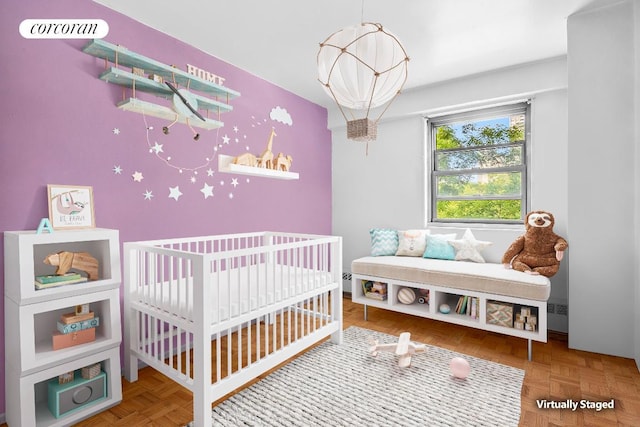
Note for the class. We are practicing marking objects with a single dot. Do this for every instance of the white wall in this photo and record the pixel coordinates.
(637, 181)
(386, 188)
(602, 197)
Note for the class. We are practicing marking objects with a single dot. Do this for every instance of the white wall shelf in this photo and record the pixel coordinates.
(225, 165)
(31, 316)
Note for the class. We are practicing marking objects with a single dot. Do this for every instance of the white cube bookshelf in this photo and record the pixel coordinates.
(31, 316)
(24, 259)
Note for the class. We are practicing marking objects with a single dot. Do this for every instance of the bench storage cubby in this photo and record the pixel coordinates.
(501, 300)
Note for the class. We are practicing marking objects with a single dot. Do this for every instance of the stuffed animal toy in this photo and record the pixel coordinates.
(539, 250)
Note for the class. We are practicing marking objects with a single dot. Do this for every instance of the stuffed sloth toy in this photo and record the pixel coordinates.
(539, 250)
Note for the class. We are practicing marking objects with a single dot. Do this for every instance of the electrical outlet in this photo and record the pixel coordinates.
(346, 276)
(562, 309)
(551, 308)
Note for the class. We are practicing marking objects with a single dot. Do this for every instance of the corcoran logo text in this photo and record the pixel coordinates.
(63, 28)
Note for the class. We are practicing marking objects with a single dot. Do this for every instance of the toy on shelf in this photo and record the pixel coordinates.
(526, 320)
(246, 159)
(406, 295)
(266, 158)
(374, 290)
(423, 297)
(282, 162)
(65, 378)
(444, 308)
(91, 371)
(82, 261)
(404, 348)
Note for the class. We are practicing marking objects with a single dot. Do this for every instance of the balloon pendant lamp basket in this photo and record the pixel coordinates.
(362, 130)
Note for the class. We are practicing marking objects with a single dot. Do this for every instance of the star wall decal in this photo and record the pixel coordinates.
(174, 192)
(117, 170)
(116, 131)
(207, 190)
(157, 148)
(209, 172)
(148, 195)
(225, 139)
(137, 176)
(234, 182)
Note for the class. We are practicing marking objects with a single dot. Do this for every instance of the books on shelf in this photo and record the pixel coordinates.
(468, 306)
(67, 328)
(50, 281)
(54, 278)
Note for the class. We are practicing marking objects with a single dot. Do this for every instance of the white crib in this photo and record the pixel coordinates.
(213, 313)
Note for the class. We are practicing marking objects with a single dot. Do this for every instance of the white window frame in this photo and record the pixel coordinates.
(472, 115)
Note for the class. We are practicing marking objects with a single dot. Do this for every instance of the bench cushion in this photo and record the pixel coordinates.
(480, 277)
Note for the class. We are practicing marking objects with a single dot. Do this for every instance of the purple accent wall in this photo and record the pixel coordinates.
(60, 125)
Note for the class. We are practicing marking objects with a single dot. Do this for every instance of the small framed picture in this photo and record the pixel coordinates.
(70, 206)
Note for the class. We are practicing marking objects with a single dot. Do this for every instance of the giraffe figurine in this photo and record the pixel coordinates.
(266, 158)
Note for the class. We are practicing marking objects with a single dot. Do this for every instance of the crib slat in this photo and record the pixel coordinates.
(178, 349)
(218, 358)
(239, 352)
(229, 351)
(249, 345)
(188, 345)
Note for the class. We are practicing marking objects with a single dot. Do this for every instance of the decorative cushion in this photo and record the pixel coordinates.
(412, 242)
(438, 247)
(384, 241)
(468, 248)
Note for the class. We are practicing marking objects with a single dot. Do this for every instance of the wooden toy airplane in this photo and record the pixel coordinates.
(404, 348)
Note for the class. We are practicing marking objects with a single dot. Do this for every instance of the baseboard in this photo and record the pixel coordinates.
(558, 336)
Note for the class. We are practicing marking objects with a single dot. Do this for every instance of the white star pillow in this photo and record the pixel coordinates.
(468, 248)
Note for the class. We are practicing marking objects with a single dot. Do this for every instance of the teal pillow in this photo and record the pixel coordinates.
(438, 247)
(384, 241)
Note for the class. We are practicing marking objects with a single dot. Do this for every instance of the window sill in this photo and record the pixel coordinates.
(474, 226)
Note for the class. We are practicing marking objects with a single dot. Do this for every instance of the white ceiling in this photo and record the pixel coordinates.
(278, 40)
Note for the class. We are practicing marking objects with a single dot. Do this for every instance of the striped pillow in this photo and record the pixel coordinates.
(384, 241)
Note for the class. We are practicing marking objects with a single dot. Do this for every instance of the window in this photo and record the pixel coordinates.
(478, 166)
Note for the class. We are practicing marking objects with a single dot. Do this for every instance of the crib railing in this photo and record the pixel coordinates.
(227, 308)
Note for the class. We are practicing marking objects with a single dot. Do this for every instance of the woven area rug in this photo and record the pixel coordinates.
(343, 385)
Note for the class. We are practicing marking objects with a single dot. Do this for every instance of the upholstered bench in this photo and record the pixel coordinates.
(481, 295)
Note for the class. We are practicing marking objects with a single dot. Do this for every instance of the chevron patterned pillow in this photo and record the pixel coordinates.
(384, 241)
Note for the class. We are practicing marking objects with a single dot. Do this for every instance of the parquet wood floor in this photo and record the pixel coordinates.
(555, 373)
